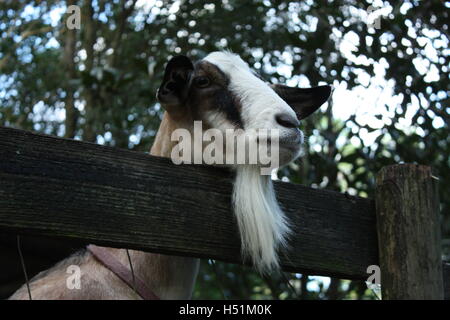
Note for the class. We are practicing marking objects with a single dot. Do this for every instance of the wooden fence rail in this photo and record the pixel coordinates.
(81, 191)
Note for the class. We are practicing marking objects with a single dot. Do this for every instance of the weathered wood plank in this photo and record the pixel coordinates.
(407, 205)
(64, 188)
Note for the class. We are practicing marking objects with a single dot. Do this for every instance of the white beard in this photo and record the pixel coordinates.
(262, 224)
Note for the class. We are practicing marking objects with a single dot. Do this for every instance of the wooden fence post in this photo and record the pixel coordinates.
(409, 241)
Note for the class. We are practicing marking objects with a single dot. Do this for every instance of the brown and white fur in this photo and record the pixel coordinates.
(223, 93)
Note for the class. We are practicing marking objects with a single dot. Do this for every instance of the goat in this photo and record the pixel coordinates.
(224, 93)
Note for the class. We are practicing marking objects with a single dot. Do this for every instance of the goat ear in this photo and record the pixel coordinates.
(303, 101)
(174, 88)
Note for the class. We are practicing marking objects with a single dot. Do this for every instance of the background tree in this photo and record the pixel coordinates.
(98, 83)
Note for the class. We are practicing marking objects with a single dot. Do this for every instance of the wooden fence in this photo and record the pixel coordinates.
(87, 193)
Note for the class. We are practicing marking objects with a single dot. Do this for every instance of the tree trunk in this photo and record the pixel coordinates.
(89, 131)
(333, 290)
(304, 287)
(69, 66)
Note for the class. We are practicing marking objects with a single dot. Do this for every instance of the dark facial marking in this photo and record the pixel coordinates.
(216, 97)
(212, 72)
(229, 105)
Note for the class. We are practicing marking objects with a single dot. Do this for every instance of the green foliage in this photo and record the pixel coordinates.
(121, 49)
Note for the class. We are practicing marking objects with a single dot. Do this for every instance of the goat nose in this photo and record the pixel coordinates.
(287, 120)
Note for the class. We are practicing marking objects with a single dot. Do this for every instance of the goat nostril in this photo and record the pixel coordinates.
(287, 120)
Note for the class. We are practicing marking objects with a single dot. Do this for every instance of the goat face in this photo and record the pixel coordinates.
(223, 92)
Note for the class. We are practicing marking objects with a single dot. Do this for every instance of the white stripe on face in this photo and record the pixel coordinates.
(259, 102)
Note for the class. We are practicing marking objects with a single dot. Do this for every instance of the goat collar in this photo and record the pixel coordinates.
(110, 262)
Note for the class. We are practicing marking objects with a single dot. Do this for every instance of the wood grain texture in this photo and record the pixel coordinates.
(409, 233)
(81, 191)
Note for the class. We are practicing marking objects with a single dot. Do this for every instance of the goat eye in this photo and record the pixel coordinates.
(201, 82)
